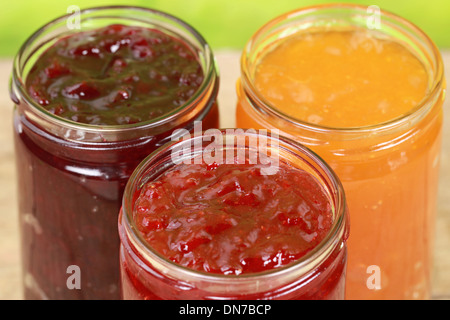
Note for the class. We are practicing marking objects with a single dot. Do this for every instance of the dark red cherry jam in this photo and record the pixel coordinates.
(231, 219)
(115, 75)
(71, 176)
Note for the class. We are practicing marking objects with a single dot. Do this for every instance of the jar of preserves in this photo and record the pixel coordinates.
(220, 221)
(365, 92)
(90, 103)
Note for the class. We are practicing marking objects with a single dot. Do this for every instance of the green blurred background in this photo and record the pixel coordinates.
(224, 23)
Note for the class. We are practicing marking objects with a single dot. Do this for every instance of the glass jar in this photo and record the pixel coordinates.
(389, 170)
(320, 274)
(71, 176)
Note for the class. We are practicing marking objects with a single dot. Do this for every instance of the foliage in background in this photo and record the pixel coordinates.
(224, 23)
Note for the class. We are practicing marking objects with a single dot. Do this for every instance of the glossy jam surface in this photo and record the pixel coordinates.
(115, 75)
(231, 219)
(70, 192)
(390, 177)
(341, 79)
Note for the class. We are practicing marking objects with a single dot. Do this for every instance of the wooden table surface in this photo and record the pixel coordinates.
(228, 61)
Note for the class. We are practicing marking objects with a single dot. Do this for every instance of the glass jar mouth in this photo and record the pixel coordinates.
(146, 16)
(331, 13)
(336, 237)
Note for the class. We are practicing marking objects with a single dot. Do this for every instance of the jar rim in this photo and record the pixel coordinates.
(17, 85)
(264, 106)
(334, 238)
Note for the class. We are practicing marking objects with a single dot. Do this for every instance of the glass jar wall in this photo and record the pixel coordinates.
(71, 175)
(389, 168)
(147, 273)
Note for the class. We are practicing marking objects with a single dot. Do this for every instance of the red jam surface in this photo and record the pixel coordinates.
(231, 219)
(114, 75)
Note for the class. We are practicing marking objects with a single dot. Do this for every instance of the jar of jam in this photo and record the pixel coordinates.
(90, 103)
(247, 216)
(364, 89)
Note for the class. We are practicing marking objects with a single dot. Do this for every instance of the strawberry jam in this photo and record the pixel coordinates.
(229, 222)
(231, 219)
(96, 102)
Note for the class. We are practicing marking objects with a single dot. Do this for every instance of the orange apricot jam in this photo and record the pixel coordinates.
(369, 102)
(339, 78)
